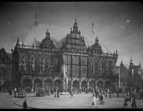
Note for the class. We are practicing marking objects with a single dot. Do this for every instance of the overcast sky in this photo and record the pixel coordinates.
(119, 25)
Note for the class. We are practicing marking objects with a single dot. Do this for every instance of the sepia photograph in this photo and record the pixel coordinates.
(71, 55)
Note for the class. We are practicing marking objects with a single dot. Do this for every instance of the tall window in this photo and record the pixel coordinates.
(28, 63)
(55, 64)
(32, 61)
(75, 60)
(103, 67)
(2, 73)
(43, 64)
(48, 64)
(24, 67)
(96, 67)
(83, 60)
(37, 64)
(83, 71)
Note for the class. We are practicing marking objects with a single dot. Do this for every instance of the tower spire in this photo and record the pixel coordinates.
(36, 17)
(92, 27)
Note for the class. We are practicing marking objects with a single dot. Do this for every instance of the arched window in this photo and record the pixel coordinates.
(2, 73)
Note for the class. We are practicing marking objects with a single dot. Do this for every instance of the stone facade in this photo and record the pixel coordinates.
(5, 68)
(49, 66)
(123, 76)
(134, 80)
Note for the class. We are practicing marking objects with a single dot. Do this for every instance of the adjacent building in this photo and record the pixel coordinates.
(5, 68)
(73, 65)
(134, 78)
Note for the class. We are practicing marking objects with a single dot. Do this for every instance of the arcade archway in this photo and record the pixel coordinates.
(38, 84)
(107, 85)
(27, 83)
(76, 85)
(83, 85)
(58, 84)
(92, 84)
(100, 84)
(48, 84)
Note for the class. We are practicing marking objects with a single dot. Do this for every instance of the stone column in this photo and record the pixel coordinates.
(53, 84)
(79, 85)
(103, 84)
(33, 86)
(43, 84)
(87, 85)
(21, 83)
(64, 84)
(71, 85)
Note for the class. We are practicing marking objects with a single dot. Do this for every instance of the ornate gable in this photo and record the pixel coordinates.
(74, 40)
(4, 56)
(96, 48)
(47, 43)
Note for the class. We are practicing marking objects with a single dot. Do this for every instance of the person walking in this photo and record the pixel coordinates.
(110, 94)
(117, 93)
(15, 92)
(125, 103)
(25, 91)
(55, 93)
(25, 104)
(101, 99)
(141, 94)
(71, 93)
(133, 103)
(94, 102)
(58, 93)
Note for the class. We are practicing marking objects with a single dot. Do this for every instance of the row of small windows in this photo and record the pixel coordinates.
(37, 64)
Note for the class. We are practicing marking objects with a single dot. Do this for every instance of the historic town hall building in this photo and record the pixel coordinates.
(73, 65)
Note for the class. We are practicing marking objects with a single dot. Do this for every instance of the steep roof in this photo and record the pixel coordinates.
(9, 55)
(58, 35)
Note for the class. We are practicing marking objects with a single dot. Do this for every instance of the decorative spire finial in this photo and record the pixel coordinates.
(17, 40)
(36, 17)
(92, 27)
(116, 51)
(131, 59)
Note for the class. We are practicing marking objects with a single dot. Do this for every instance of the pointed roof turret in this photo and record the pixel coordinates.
(75, 27)
(47, 34)
(96, 40)
(47, 42)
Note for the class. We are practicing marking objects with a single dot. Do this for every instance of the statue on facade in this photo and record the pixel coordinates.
(17, 40)
(43, 64)
(32, 64)
(24, 63)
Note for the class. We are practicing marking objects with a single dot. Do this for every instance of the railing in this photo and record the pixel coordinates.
(84, 51)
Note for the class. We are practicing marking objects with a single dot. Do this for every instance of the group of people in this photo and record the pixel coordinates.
(13, 91)
(132, 99)
(98, 95)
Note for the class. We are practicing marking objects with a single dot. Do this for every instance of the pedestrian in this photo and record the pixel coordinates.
(141, 94)
(133, 103)
(25, 104)
(58, 93)
(25, 91)
(71, 93)
(94, 102)
(117, 93)
(54, 93)
(14, 93)
(125, 103)
(101, 99)
(110, 94)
